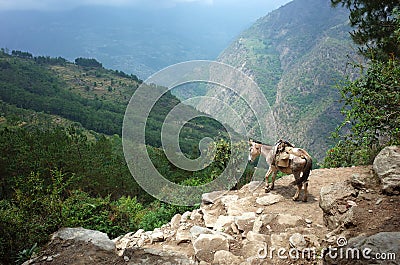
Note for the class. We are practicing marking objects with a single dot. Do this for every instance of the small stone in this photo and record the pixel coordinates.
(49, 258)
(234, 228)
(182, 235)
(331, 239)
(196, 215)
(259, 211)
(370, 211)
(298, 241)
(245, 222)
(185, 217)
(342, 208)
(308, 221)
(351, 203)
(378, 201)
(175, 221)
(126, 258)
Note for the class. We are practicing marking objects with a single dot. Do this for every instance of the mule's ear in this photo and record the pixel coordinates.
(250, 142)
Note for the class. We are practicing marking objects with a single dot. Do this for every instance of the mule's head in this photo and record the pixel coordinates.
(254, 150)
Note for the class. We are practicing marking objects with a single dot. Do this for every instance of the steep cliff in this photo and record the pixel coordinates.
(296, 54)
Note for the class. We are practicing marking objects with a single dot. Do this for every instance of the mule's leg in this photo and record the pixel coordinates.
(305, 191)
(267, 188)
(299, 186)
(296, 196)
(273, 179)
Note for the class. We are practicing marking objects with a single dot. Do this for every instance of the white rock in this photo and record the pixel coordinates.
(185, 217)
(387, 167)
(212, 197)
(269, 199)
(176, 221)
(228, 199)
(223, 257)
(223, 223)
(245, 222)
(252, 236)
(156, 236)
(182, 235)
(206, 245)
(288, 219)
(298, 241)
(196, 215)
(97, 238)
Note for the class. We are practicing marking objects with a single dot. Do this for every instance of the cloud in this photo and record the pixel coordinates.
(69, 4)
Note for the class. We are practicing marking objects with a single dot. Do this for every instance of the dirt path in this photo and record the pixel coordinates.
(374, 213)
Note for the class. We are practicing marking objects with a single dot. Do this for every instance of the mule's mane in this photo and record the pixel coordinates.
(258, 142)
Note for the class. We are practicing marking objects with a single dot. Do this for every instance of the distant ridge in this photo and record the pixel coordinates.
(296, 54)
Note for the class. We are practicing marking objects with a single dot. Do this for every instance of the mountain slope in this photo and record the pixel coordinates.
(95, 97)
(296, 54)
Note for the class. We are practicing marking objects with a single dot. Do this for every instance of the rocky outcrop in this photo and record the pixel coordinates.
(387, 168)
(336, 202)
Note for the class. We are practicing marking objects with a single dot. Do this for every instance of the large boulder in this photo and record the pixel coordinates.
(387, 168)
(94, 237)
(380, 248)
(334, 204)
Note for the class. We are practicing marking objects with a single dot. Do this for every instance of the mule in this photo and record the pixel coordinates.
(299, 161)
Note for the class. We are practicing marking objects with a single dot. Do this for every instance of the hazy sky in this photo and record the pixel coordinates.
(68, 4)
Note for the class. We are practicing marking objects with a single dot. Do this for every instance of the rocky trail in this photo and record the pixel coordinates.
(353, 207)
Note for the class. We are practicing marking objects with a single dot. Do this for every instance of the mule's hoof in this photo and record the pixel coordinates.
(267, 189)
(295, 198)
(304, 200)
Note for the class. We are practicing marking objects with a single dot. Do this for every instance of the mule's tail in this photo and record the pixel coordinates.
(306, 172)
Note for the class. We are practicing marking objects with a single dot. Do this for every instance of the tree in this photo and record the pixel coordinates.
(88, 62)
(376, 22)
(371, 102)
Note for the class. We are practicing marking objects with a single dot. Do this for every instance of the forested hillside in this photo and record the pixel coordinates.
(297, 54)
(61, 158)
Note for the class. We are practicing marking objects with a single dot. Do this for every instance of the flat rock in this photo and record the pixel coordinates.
(212, 197)
(97, 238)
(245, 221)
(240, 206)
(269, 199)
(223, 257)
(206, 245)
(288, 219)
